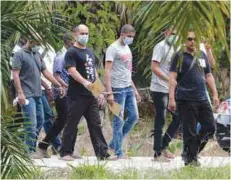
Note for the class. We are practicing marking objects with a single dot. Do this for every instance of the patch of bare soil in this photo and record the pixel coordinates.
(138, 142)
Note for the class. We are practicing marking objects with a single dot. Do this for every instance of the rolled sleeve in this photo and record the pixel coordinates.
(17, 61)
(158, 52)
(58, 64)
(43, 66)
(110, 54)
(69, 59)
(207, 68)
(173, 67)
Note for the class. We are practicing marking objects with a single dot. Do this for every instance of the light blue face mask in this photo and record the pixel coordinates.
(35, 48)
(83, 39)
(128, 40)
(172, 39)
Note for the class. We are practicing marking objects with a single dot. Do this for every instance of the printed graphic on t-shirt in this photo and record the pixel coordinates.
(127, 59)
(89, 68)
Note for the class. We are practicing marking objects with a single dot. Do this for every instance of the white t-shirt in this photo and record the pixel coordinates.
(162, 53)
(121, 71)
(202, 48)
(49, 61)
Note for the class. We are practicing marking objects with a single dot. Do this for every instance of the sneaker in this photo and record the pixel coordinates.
(107, 157)
(161, 158)
(168, 154)
(192, 162)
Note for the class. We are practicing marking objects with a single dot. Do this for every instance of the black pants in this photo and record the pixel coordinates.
(61, 108)
(160, 104)
(88, 107)
(190, 113)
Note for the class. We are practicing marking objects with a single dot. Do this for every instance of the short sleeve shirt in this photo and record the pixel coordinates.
(121, 71)
(59, 67)
(30, 65)
(84, 61)
(162, 53)
(191, 84)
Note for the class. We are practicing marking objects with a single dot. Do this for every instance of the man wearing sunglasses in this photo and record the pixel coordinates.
(161, 59)
(189, 72)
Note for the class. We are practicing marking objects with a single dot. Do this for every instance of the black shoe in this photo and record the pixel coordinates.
(43, 145)
(106, 157)
(191, 162)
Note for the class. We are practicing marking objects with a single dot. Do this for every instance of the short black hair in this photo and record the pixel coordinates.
(67, 37)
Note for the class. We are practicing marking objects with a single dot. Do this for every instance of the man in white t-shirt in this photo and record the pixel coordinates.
(161, 61)
(120, 87)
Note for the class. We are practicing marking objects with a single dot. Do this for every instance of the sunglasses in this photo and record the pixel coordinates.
(191, 39)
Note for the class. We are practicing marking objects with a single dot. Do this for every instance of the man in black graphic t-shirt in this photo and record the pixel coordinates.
(80, 63)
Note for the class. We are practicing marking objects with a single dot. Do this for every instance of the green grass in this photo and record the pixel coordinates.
(99, 171)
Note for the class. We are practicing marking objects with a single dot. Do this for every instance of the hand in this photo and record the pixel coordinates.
(110, 99)
(101, 100)
(21, 99)
(138, 97)
(172, 105)
(49, 94)
(216, 103)
(88, 85)
(62, 92)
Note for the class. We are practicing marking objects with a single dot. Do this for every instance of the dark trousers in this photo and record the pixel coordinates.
(160, 104)
(192, 112)
(88, 107)
(59, 123)
(172, 129)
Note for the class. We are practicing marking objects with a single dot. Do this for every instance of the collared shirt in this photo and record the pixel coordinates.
(30, 65)
(162, 53)
(191, 82)
(59, 67)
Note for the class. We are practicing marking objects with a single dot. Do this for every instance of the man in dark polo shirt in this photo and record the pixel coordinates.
(80, 64)
(189, 73)
(27, 66)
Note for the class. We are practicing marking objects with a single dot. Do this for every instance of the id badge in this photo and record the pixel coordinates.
(202, 63)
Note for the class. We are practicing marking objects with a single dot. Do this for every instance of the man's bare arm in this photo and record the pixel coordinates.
(172, 89)
(60, 80)
(212, 85)
(79, 78)
(156, 69)
(18, 87)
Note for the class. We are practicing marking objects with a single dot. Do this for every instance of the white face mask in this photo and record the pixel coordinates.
(172, 39)
(83, 39)
(128, 40)
(35, 48)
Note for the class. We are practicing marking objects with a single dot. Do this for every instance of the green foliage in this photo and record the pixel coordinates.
(101, 19)
(14, 162)
(86, 171)
(29, 18)
(151, 18)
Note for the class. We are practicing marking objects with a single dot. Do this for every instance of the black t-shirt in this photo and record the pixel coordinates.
(191, 84)
(84, 61)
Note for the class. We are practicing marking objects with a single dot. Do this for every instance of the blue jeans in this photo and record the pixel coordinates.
(126, 98)
(33, 121)
(48, 118)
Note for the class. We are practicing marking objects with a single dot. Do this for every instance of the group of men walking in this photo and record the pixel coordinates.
(182, 80)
